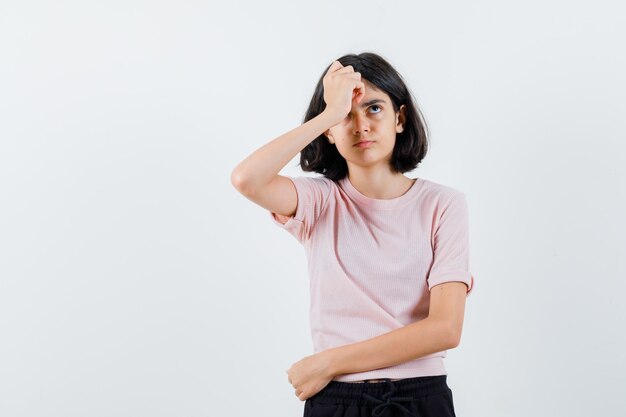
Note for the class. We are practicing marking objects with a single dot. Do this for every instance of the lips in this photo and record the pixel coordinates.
(364, 143)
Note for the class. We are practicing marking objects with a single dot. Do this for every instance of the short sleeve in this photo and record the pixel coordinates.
(451, 245)
(313, 194)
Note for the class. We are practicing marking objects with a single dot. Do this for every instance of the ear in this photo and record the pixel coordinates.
(330, 138)
(401, 119)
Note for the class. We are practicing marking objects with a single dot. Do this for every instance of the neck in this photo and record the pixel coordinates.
(380, 185)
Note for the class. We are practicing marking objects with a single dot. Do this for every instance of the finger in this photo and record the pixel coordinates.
(360, 91)
(345, 70)
(334, 66)
(354, 76)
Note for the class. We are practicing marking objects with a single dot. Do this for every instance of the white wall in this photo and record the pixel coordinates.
(136, 281)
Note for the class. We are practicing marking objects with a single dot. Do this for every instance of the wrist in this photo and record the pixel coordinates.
(332, 361)
(332, 117)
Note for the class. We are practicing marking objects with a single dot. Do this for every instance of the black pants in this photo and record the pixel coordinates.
(426, 396)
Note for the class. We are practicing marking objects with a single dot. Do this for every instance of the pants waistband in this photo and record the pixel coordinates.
(369, 392)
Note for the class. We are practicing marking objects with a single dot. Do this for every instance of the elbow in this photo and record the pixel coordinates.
(448, 334)
(454, 337)
(238, 181)
(454, 342)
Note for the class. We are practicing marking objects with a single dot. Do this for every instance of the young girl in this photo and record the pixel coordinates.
(388, 256)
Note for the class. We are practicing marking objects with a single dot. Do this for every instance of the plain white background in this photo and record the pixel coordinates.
(136, 281)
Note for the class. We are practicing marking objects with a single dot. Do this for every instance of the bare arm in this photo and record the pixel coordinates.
(341, 86)
(265, 163)
(441, 330)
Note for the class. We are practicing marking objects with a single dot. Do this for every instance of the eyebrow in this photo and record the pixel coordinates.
(374, 101)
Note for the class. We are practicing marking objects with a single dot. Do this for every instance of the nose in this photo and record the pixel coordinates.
(361, 125)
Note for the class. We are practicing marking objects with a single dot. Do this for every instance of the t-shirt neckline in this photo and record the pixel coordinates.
(381, 203)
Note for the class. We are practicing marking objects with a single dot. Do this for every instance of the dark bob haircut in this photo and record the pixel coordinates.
(411, 145)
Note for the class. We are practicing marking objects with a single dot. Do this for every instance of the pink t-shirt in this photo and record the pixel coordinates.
(372, 262)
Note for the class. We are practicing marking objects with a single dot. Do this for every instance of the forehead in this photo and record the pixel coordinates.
(370, 99)
(372, 95)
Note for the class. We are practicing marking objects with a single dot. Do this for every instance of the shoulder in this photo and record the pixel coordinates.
(440, 193)
(319, 182)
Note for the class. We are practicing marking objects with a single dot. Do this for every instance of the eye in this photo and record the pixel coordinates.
(376, 105)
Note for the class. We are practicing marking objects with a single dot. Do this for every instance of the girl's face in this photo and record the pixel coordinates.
(372, 120)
